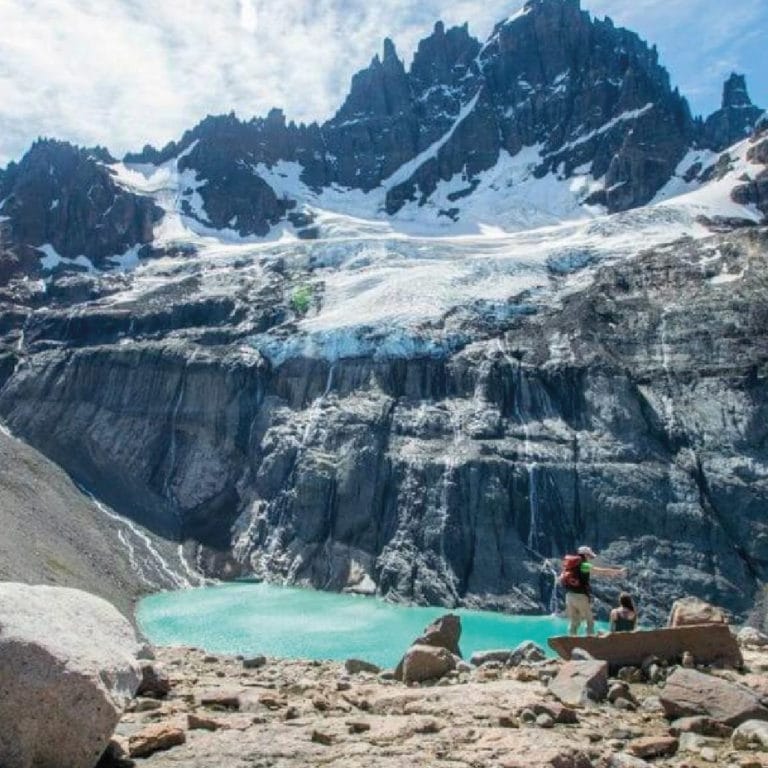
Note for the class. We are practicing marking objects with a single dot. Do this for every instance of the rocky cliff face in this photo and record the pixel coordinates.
(631, 416)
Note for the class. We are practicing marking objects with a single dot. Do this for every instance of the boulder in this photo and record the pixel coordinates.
(579, 682)
(426, 662)
(444, 633)
(752, 734)
(154, 680)
(68, 670)
(749, 637)
(526, 651)
(691, 610)
(689, 692)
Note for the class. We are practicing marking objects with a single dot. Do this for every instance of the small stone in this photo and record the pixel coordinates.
(708, 754)
(428, 726)
(343, 685)
(319, 737)
(545, 721)
(210, 659)
(291, 713)
(507, 721)
(625, 705)
(155, 738)
(688, 661)
(320, 703)
(653, 746)
(154, 681)
(358, 726)
(355, 666)
(199, 722)
(146, 705)
(255, 662)
(617, 691)
(221, 698)
(527, 716)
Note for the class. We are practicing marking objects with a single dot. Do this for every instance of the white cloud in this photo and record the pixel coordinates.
(127, 72)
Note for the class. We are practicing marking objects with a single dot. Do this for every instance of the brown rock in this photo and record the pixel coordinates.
(444, 632)
(558, 712)
(355, 666)
(704, 726)
(425, 662)
(221, 698)
(358, 726)
(196, 722)
(155, 738)
(578, 682)
(653, 746)
(154, 680)
(507, 721)
(690, 610)
(689, 692)
(319, 737)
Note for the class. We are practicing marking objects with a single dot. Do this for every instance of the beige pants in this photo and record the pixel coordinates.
(578, 608)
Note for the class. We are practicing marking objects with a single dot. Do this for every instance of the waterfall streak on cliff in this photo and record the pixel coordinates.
(314, 410)
(669, 406)
(533, 503)
(133, 561)
(166, 575)
(192, 574)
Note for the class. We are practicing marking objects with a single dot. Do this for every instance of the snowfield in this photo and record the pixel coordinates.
(385, 283)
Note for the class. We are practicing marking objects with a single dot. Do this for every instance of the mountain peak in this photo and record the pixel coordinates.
(390, 52)
(735, 92)
(735, 119)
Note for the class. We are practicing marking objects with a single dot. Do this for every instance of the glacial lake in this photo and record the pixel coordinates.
(250, 618)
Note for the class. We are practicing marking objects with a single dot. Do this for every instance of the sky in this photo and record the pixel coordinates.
(123, 73)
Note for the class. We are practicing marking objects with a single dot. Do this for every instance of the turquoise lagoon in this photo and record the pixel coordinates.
(249, 618)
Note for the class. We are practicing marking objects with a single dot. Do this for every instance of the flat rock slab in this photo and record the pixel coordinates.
(708, 643)
(689, 692)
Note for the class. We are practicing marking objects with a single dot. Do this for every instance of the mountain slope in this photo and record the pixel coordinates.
(412, 351)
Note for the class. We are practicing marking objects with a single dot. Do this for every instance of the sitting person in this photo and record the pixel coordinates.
(624, 618)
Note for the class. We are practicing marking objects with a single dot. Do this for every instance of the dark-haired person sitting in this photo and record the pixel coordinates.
(624, 618)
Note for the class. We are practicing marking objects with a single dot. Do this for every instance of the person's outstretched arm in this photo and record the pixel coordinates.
(606, 571)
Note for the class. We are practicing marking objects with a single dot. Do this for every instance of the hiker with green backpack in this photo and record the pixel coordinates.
(575, 579)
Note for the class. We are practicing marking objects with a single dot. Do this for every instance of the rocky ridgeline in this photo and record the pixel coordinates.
(589, 95)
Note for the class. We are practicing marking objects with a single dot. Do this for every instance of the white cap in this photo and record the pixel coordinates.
(586, 552)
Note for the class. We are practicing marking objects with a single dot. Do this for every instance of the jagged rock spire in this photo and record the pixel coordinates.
(735, 119)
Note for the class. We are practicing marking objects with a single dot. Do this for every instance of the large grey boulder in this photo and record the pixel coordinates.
(689, 692)
(68, 670)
